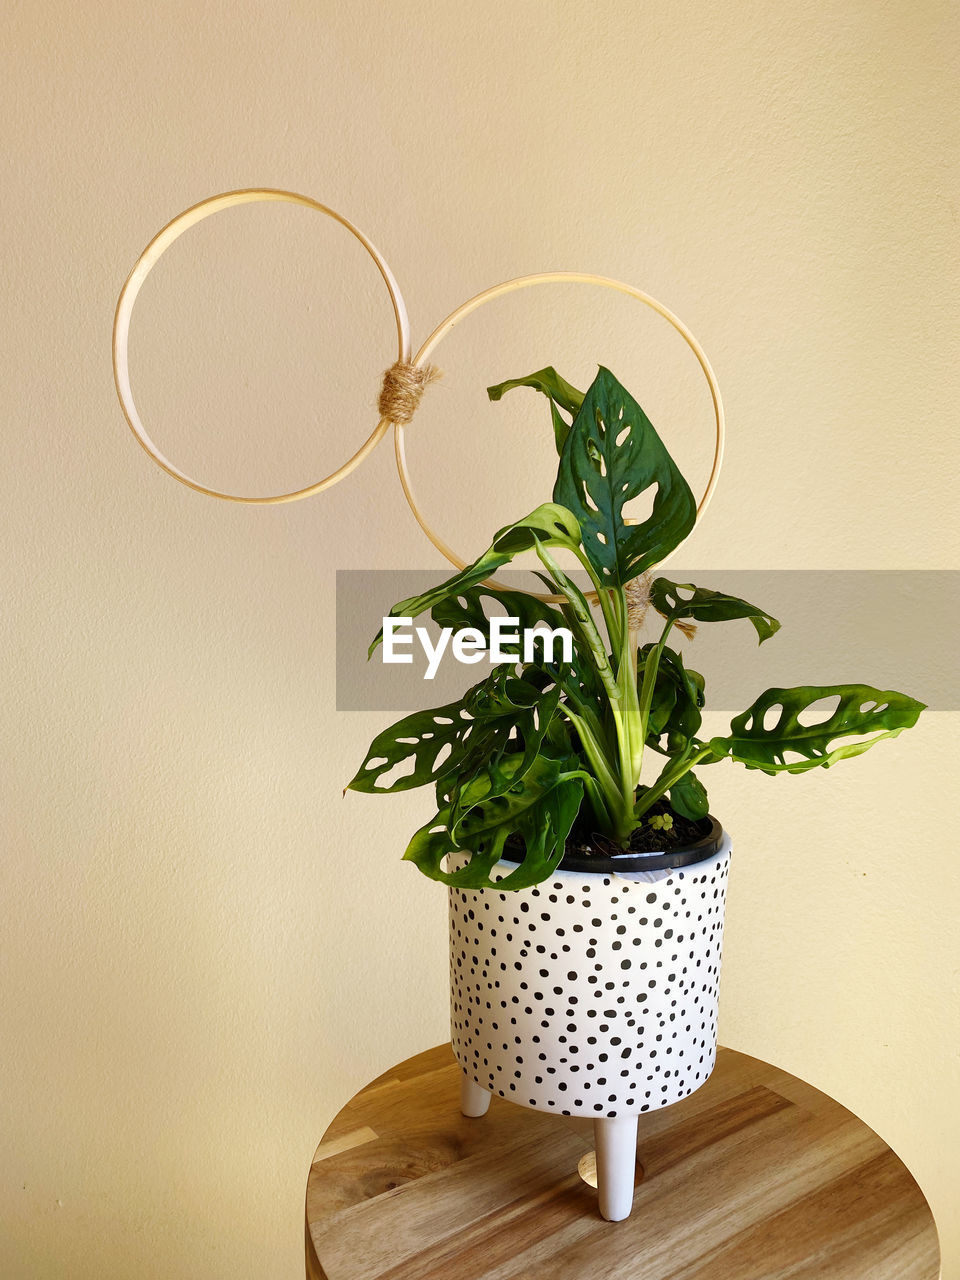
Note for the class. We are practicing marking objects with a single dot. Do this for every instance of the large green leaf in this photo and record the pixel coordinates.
(549, 523)
(421, 736)
(678, 696)
(466, 609)
(860, 711)
(508, 695)
(547, 381)
(511, 717)
(544, 828)
(682, 601)
(675, 711)
(688, 797)
(612, 455)
(539, 807)
(504, 715)
(559, 392)
(490, 800)
(412, 607)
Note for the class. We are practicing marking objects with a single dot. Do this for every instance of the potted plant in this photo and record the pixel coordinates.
(586, 905)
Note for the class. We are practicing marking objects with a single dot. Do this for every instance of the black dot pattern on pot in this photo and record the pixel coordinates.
(589, 994)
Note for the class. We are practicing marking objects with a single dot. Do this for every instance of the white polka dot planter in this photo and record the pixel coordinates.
(593, 993)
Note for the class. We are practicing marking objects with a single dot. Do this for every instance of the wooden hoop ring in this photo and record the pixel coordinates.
(145, 264)
(523, 282)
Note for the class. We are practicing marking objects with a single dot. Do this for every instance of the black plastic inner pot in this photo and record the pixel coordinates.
(661, 860)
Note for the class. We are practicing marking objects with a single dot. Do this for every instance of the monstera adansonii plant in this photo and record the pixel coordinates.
(538, 745)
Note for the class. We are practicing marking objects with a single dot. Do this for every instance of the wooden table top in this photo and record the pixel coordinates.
(756, 1176)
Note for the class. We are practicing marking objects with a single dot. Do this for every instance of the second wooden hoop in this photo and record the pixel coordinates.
(524, 282)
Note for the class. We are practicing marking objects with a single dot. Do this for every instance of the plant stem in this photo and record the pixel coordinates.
(584, 619)
(651, 666)
(633, 721)
(606, 596)
(670, 776)
(606, 778)
(598, 803)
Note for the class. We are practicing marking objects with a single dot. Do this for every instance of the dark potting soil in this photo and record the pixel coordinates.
(583, 842)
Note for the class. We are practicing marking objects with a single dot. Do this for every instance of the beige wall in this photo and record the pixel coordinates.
(204, 949)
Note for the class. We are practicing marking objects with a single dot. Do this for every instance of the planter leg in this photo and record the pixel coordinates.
(474, 1100)
(616, 1144)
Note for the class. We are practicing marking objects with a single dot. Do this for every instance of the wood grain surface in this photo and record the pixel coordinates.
(756, 1176)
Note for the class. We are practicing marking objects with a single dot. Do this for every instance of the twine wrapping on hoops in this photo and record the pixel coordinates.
(403, 386)
(403, 383)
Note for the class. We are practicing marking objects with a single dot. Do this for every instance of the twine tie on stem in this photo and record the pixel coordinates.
(403, 386)
(638, 602)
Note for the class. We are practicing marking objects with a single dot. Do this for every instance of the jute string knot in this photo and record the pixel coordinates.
(637, 592)
(403, 387)
(638, 602)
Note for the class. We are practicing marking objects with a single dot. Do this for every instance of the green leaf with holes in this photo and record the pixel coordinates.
(863, 716)
(504, 713)
(611, 456)
(469, 609)
(688, 797)
(419, 737)
(678, 696)
(549, 523)
(543, 828)
(682, 601)
(511, 716)
(540, 807)
(412, 607)
(559, 392)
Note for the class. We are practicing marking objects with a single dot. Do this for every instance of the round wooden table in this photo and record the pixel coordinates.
(756, 1176)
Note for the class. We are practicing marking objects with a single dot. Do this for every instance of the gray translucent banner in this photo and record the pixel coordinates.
(893, 629)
